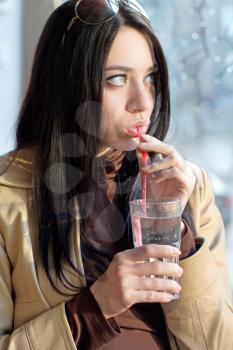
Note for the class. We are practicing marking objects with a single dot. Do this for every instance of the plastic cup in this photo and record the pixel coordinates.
(157, 221)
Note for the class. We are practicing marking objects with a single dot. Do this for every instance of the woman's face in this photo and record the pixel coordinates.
(129, 93)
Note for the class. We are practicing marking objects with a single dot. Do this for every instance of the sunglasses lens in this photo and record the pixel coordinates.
(97, 11)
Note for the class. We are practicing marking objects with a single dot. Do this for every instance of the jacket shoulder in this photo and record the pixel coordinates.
(202, 200)
(203, 186)
(16, 168)
(5, 161)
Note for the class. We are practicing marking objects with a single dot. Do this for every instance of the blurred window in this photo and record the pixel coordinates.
(197, 37)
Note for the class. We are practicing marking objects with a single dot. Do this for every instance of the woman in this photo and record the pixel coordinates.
(69, 274)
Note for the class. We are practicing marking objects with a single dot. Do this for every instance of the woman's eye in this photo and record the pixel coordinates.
(151, 78)
(117, 80)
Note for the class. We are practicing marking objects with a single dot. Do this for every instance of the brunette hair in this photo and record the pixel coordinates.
(61, 104)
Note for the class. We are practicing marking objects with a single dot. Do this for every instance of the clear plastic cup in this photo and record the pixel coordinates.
(157, 221)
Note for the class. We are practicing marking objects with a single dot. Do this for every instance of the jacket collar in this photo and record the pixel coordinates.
(16, 168)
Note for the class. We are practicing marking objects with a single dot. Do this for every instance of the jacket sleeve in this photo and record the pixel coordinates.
(202, 318)
(49, 330)
(89, 327)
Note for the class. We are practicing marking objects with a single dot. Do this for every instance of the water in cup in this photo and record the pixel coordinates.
(157, 222)
(166, 231)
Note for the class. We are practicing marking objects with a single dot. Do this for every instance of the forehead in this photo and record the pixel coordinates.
(131, 48)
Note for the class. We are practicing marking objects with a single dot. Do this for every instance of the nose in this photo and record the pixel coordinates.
(140, 99)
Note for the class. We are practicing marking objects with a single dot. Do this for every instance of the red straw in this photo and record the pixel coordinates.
(136, 226)
(136, 220)
(145, 157)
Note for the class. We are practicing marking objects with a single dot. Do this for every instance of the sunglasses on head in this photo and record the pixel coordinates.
(94, 12)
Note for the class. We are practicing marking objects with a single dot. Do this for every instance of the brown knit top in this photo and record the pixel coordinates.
(140, 327)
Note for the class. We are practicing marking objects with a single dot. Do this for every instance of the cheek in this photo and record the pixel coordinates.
(107, 126)
(112, 104)
(111, 114)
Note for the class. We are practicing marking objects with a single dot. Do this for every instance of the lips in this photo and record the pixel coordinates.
(136, 131)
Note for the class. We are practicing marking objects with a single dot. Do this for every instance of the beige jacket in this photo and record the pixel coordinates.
(32, 314)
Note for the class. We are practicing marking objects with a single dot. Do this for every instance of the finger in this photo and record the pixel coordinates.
(152, 144)
(142, 296)
(172, 173)
(173, 160)
(157, 284)
(147, 251)
(158, 268)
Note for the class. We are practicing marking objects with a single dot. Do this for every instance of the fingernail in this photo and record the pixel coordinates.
(146, 136)
(176, 251)
(170, 297)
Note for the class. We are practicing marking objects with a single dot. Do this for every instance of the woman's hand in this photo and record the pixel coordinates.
(127, 280)
(169, 176)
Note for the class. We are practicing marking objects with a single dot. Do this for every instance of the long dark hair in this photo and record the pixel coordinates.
(60, 117)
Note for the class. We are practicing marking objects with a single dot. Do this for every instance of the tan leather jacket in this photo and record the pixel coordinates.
(32, 314)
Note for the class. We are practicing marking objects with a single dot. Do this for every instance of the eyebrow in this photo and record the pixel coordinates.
(128, 69)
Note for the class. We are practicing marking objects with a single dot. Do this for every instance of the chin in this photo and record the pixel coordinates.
(128, 145)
